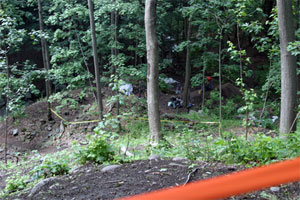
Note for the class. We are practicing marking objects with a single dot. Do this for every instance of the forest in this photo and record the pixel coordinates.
(145, 94)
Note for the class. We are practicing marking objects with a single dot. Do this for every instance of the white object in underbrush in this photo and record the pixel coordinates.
(169, 80)
(126, 89)
(126, 152)
(274, 118)
(275, 189)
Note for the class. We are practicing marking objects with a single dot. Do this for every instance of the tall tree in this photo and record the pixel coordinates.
(6, 109)
(187, 66)
(288, 67)
(114, 54)
(152, 71)
(96, 60)
(46, 60)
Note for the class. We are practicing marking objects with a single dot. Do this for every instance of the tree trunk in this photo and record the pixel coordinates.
(152, 71)
(203, 88)
(220, 82)
(46, 61)
(297, 25)
(240, 50)
(288, 67)
(6, 109)
(114, 52)
(187, 68)
(96, 60)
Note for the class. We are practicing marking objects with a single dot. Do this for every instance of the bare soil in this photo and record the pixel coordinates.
(89, 182)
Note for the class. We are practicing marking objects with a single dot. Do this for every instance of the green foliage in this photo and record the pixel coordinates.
(198, 142)
(260, 150)
(250, 98)
(164, 87)
(235, 54)
(229, 107)
(269, 44)
(31, 167)
(15, 183)
(294, 48)
(50, 167)
(16, 79)
(64, 99)
(197, 80)
(98, 150)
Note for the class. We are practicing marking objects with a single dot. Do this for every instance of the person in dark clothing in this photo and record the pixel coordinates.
(209, 85)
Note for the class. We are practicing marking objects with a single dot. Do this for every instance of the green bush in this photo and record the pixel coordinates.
(50, 167)
(229, 109)
(98, 151)
(16, 183)
(261, 149)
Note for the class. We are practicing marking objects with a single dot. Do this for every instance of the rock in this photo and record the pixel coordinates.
(15, 132)
(275, 189)
(231, 168)
(49, 128)
(176, 164)
(62, 127)
(77, 170)
(30, 135)
(74, 188)
(154, 157)
(229, 90)
(110, 168)
(92, 127)
(179, 159)
(42, 121)
(33, 134)
(54, 186)
(44, 183)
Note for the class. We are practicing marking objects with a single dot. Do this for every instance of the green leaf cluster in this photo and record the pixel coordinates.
(98, 150)
(50, 167)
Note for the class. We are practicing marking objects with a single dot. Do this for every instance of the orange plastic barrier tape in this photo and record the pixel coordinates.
(229, 185)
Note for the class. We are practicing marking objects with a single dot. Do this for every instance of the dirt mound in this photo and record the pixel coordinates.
(95, 182)
(35, 132)
(229, 90)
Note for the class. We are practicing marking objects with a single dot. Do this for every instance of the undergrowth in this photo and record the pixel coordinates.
(31, 169)
(192, 140)
(202, 142)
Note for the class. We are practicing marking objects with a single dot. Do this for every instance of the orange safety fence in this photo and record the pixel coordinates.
(230, 184)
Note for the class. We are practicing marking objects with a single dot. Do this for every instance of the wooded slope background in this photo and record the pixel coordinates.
(237, 36)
